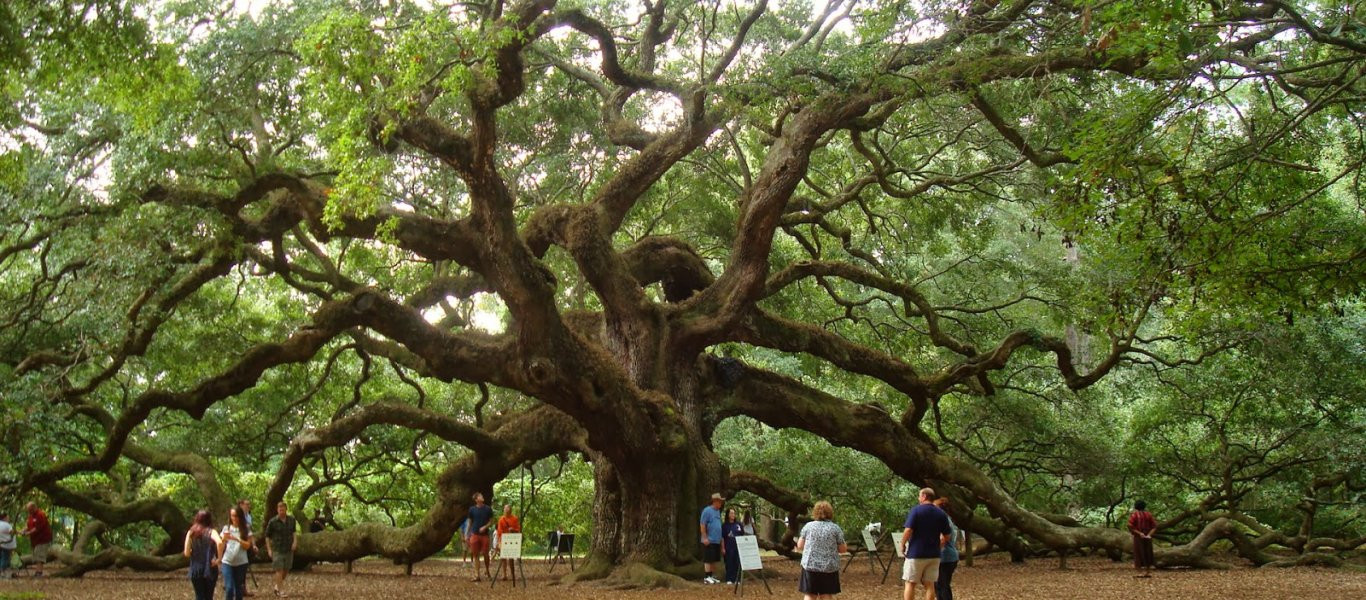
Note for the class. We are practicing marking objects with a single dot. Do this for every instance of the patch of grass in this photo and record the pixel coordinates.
(22, 596)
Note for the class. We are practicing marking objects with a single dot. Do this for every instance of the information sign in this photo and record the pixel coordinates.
(870, 536)
(511, 546)
(749, 552)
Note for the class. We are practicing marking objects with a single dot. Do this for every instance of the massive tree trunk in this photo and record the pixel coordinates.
(645, 519)
(652, 480)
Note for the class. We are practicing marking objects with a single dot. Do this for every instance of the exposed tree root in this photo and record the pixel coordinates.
(687, 569)
(637, 576)
(594, 568)
(600, 572)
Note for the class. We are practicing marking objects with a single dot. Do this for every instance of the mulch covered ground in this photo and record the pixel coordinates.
(992, 578)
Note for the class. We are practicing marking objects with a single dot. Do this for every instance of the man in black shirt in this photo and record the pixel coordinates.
(281, 544)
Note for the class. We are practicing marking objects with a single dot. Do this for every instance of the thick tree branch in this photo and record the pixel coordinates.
(328, 321)
(1041, 160)
(612, 68)
(798, 507)
(536, 434)
(671, 262)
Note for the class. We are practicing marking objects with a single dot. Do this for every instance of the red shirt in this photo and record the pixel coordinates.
(1141, 521)
(509, 524)
(42, 531)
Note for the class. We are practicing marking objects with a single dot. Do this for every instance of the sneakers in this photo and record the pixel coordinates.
(709, 580)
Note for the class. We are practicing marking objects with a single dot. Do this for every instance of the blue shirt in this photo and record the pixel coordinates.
(480, 516)
(926, 522)
(729, 531)
(950, 551)
(711, 517)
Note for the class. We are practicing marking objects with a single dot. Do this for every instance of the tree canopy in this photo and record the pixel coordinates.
(1046, 256)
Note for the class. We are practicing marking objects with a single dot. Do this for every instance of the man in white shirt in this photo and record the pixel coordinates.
(7, 545)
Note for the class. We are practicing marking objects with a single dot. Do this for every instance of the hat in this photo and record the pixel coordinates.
(718, 496)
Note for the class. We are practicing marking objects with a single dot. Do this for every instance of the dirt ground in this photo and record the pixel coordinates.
(992, 578)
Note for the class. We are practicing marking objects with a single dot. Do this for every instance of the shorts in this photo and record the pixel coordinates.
(282, 561)
(920, 570)
(40, 552)
(479, 544)
(711, 552)
(818, 583)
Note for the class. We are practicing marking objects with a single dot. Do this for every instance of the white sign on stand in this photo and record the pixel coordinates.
(748, 546)
(510, 546)
(869, 537)
(749, 552)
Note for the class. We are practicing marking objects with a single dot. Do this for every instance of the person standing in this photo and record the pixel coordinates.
(730, 551)
(556, 547)
(7, 545)
(709, 525)
(464, 528)
(948, 556)
(508, 523)
(201, 547)
(244, 505)
(480, 519)
(39, 533)
(281, 542)
(821, 542)
(927, 531)
(1142, 526)
(234, 544)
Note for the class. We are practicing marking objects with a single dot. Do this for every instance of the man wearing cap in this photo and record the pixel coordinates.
(710, 528)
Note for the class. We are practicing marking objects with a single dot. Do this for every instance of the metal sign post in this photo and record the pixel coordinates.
(900, 553)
